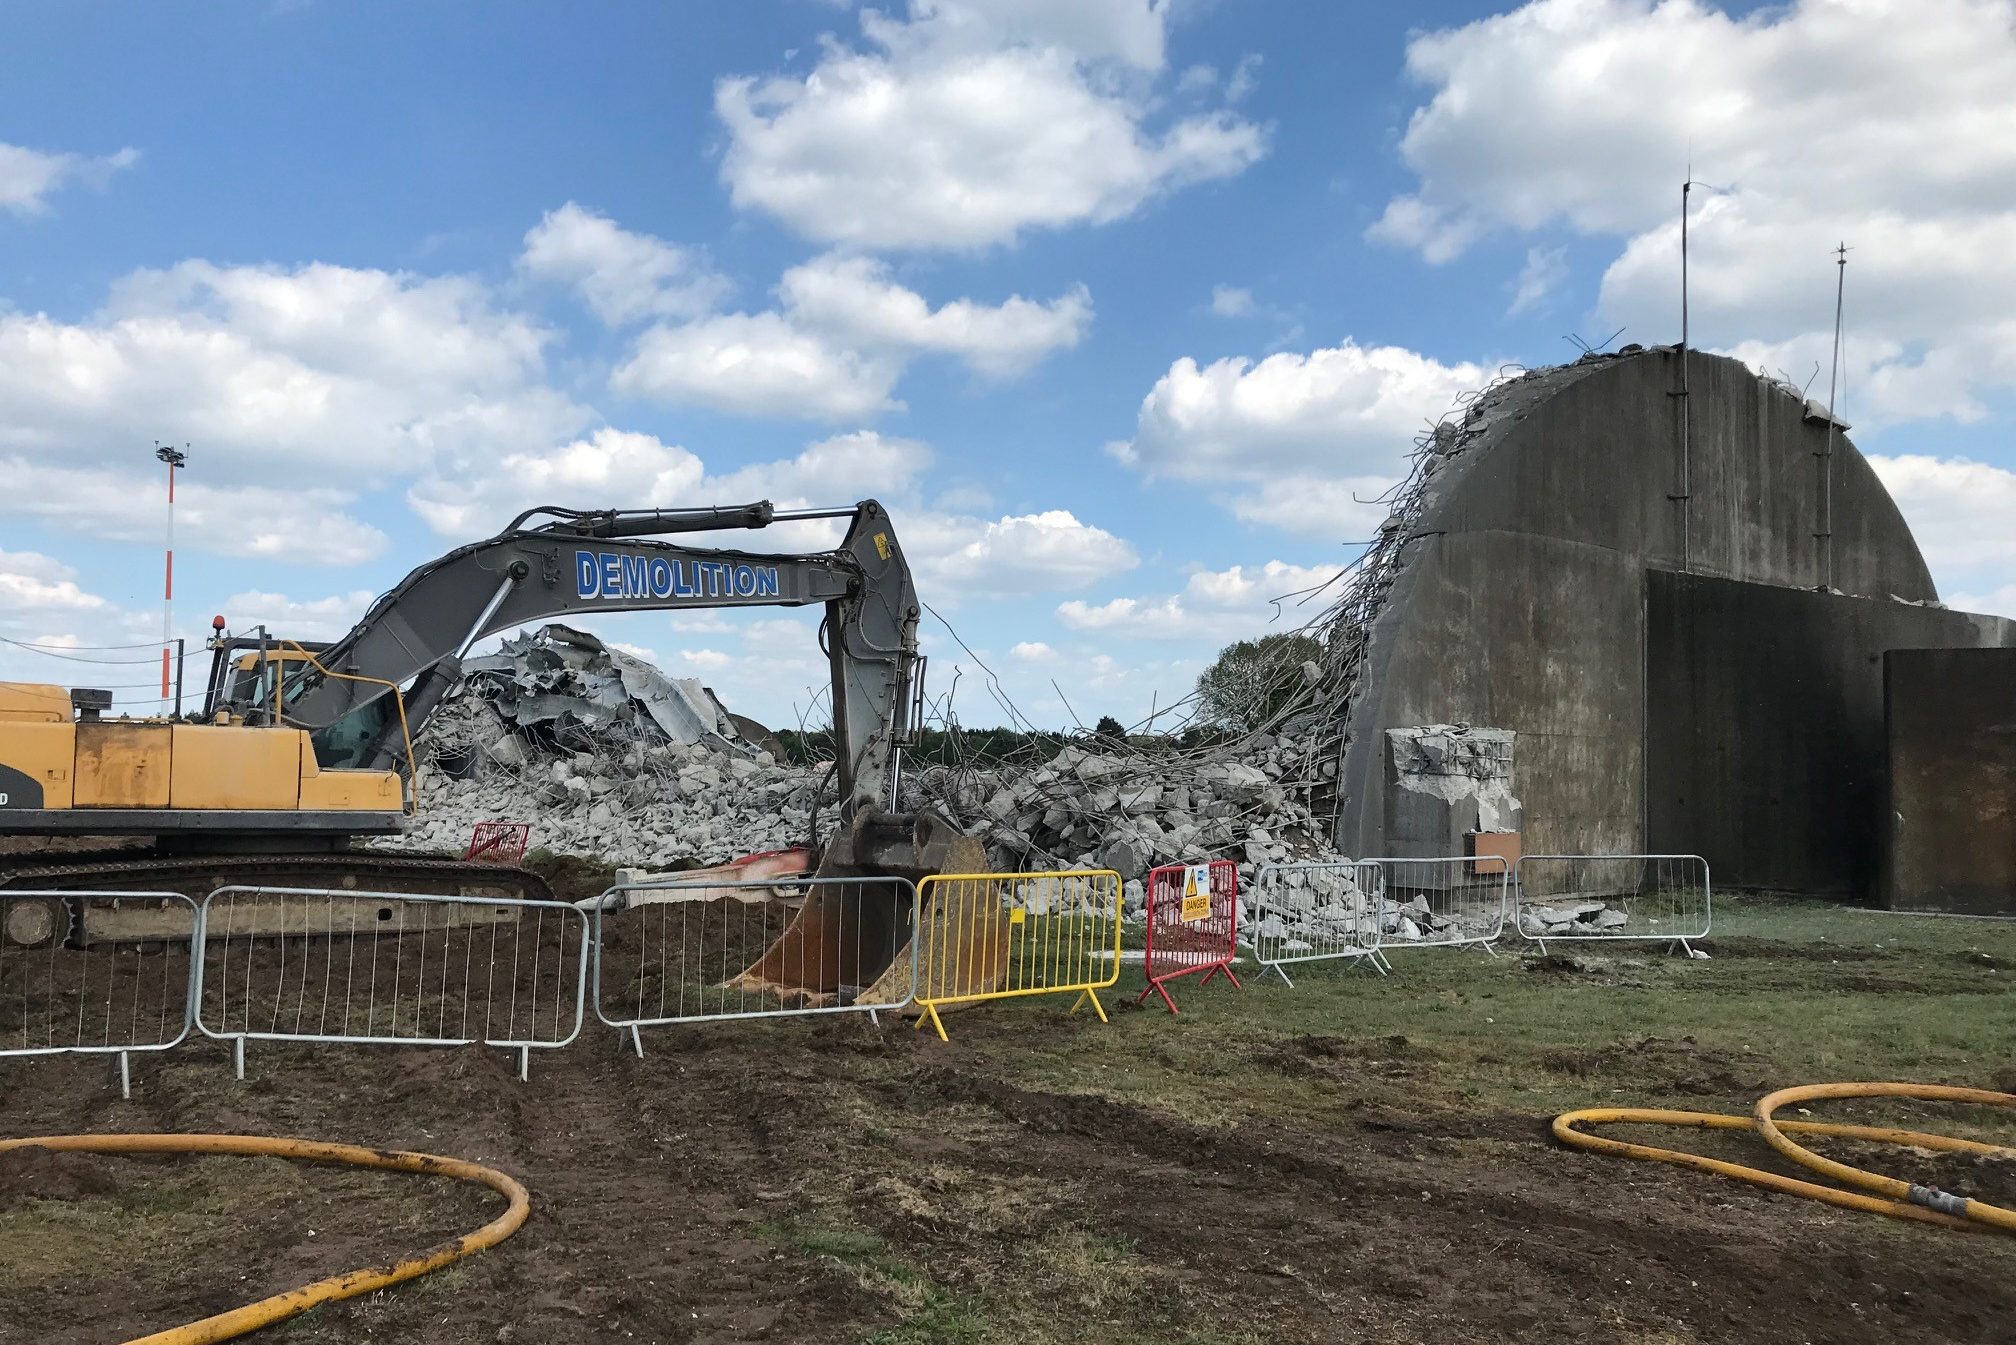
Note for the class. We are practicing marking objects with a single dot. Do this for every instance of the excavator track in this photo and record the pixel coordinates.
(196, 876)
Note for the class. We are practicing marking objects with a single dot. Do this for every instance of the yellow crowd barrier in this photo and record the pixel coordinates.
(986, 936)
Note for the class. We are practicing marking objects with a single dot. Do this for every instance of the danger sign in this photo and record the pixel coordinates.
(1196, 893)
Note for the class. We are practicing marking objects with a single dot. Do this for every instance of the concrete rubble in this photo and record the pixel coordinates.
(577, 739)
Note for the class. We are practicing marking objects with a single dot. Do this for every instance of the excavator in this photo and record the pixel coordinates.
(301, 749)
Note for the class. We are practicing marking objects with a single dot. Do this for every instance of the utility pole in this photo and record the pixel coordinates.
(174, 458)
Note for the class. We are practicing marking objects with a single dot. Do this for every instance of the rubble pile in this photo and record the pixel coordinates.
(603, 755)
(1567, 919)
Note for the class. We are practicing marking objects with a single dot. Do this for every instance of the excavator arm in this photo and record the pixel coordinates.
(573, 563)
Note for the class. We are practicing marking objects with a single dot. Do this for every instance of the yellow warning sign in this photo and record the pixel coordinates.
(1196, 893)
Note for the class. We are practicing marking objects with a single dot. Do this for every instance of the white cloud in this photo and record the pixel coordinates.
(1229, 302)
(1033, 651)
(1244, 79)
(35, 585)
(844, 335)
(623, 276)
(1300, 433)
(1130, 31)
(296, 618)
(1960, 512)
(28, 177)
(1545, 271)
(1214, 604)
(1016, 554)
(1330, 412)
(853, 299)
(970, 123)
(303, 526)
(277, 375)
(1884, 123)
(620, 469)
(757, 365)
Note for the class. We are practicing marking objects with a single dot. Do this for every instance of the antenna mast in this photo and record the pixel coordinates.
(1685, 494)
(1826, 534)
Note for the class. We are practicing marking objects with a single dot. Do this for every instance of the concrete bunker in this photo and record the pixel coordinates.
(1676, 588)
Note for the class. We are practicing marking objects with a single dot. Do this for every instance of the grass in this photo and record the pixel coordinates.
(930, 1315)
(1793, 992)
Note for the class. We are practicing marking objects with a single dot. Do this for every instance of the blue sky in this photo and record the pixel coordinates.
(1115, 302)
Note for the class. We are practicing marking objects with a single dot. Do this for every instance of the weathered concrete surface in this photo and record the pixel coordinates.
(1951, 839)
(1764, 727)
(1522, 603)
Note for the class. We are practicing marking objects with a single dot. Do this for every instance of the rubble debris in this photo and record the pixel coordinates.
(603, 755)
(1568, 919)
(1446, 781)
(567, 688)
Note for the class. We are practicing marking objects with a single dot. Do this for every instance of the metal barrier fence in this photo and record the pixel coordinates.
(1665, 898)
(389, 968)
(1444, 902)
(1003, 935)
(1193, 925)
(64, 992)
(675, 952)
(1316, 912)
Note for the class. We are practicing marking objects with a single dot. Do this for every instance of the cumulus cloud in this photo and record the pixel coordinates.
(971, 122)
(33, 585)
(1916, 170)
(1213, 604)
(286, 374)
(1299, 433)
(853, 299)
(1330, 412)
(1015, 554)
(1960, 512)
(757, 364)
(842, 339)
(28, 177)
(622, 276)
(304, 526)
(612, 467)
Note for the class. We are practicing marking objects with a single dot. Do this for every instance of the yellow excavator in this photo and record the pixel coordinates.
(299, 750)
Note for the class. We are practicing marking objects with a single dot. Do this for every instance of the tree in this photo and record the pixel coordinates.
(1254, 680)
(1109, 729)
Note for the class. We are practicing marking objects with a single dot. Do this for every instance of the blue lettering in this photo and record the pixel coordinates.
(682, 582)
(661, 577)
(587, 575)
(612, 575)
(636, 577)
(745, 582)
(766, 582)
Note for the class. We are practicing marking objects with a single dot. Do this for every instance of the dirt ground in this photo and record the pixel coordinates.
(1354, 1158)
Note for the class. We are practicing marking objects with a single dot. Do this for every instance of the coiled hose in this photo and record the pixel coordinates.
(1894, 1198)
(239, 1321)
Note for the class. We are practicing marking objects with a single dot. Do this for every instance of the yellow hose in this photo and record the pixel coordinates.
(1896, 1199)
(239, 1321)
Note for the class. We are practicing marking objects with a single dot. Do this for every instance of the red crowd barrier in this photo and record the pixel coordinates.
(499, 842)
(1193, 924)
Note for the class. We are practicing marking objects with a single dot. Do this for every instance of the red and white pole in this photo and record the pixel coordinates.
(174, 458)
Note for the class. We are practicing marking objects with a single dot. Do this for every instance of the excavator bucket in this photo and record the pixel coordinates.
(852, 943)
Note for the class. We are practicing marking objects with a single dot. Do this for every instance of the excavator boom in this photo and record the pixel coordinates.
(304, 747)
